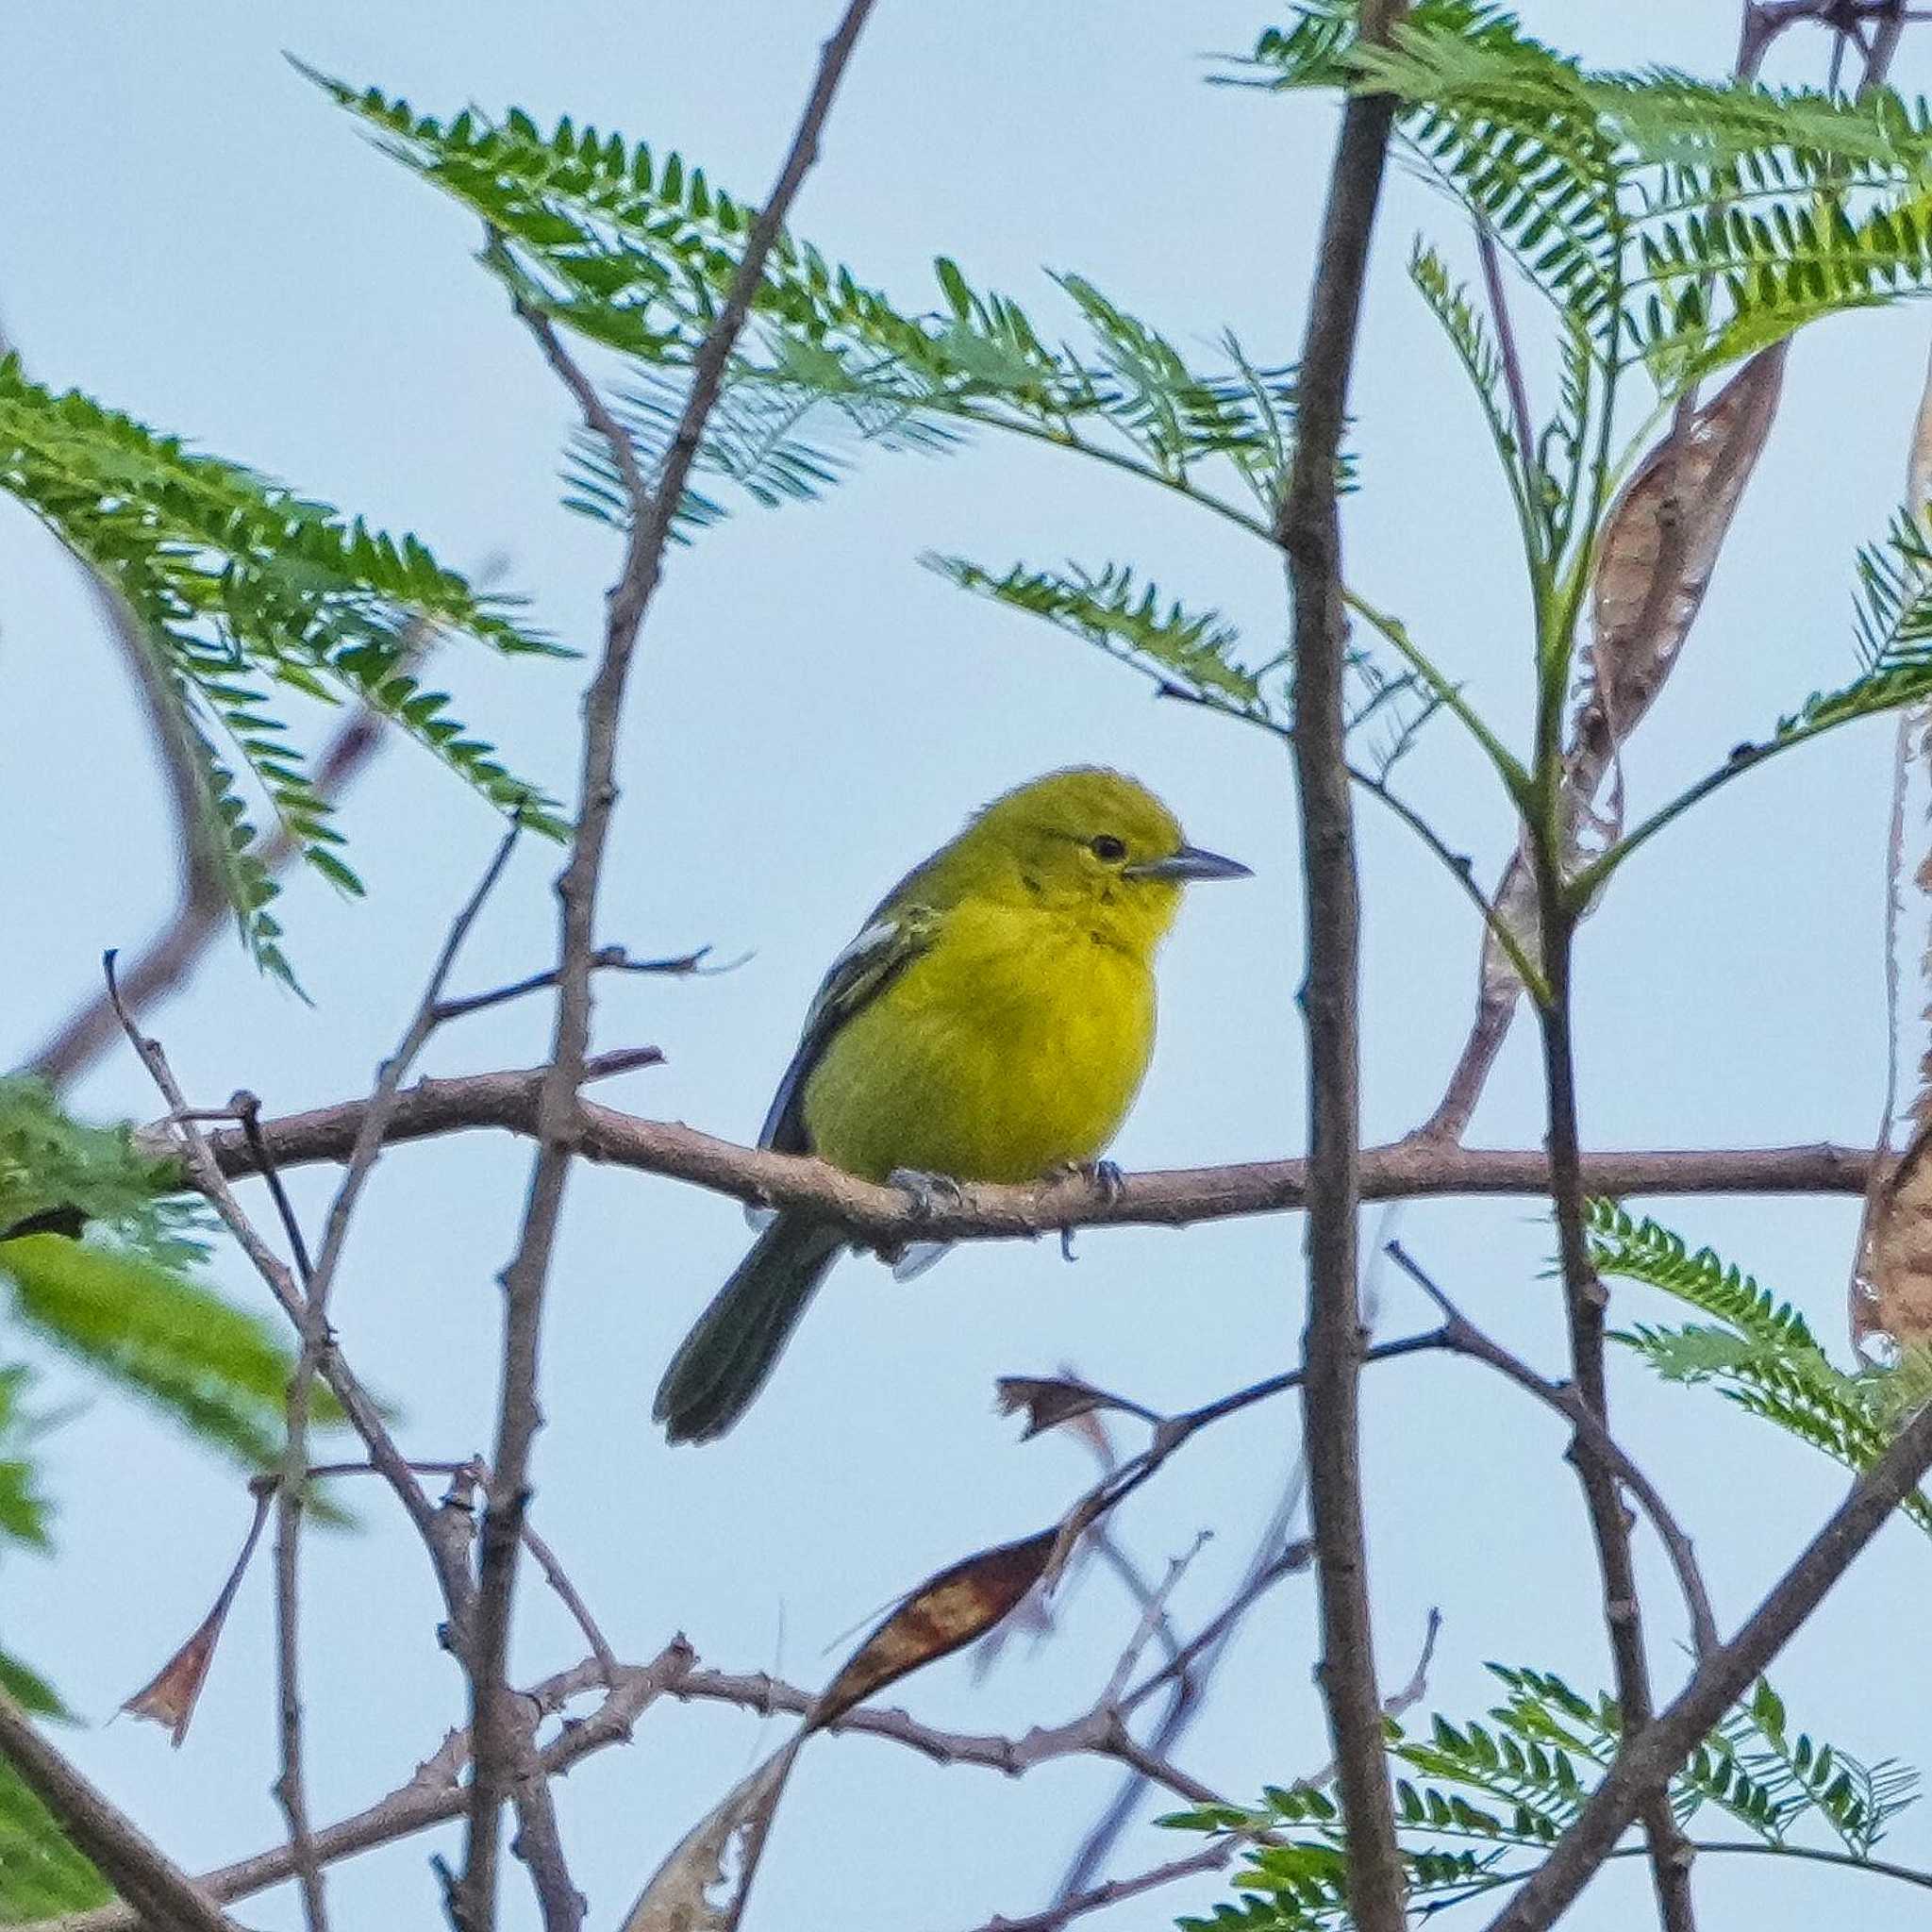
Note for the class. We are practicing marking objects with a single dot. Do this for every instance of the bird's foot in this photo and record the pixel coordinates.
(1104, 1175)
(927, 1192)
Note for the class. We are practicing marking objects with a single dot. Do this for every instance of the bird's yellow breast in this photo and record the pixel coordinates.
(1013, 1044)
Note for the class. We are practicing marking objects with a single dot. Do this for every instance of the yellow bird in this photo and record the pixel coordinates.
(992, 1021)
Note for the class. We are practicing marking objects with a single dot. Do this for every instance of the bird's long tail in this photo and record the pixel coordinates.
(736, 1343)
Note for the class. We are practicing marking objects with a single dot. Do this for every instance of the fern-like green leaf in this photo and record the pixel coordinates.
(1681, 223)
(244, 590)
(214, 1370)
(1760, 1354)
(635, 250)
(1192, 652)
(121, 1302)
(41, 1875)
(1640, 1250)
(1478, 1803)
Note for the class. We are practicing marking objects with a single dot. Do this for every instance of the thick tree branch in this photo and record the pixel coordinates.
(653, 514)
(1173, 1197)
(1310, 531)
(163, 1898)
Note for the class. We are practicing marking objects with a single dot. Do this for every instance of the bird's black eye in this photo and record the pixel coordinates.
(1109, 848)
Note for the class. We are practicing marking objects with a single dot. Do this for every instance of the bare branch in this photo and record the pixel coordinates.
(1309, 529)
(1116, 1891)
(165, 1898)
(1413, 1168)
(1461, 1336)
(1520, 415)
(175, 951)
(653, 513)
(1585, 1301)
(605, 959)
(189, 1144)
(436, 1793)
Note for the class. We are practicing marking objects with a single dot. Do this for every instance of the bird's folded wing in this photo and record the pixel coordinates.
(889, 943)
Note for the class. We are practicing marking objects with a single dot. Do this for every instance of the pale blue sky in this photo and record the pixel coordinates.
(189, 231)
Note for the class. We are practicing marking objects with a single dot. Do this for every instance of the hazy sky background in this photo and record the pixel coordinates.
(191, 232)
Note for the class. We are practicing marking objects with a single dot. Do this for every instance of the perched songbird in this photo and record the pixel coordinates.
(992, 1021)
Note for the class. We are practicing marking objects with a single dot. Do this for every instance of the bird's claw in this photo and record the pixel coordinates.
(1105, 1175)
(927, 1192)
(1105, 1178)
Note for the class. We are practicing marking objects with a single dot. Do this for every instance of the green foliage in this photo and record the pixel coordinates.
(635, 251)
(1757, 1351)
(41, 1875)
(1192, 653)
(1770, 1779)
(24, 1514)
(50, 1161)
(210, 1368)
(1478, 1803)
(120, 1303)
(1674, 225)
(1683, 223)
(246, 592)
(776, 442)
(1892, 617)
(1195, 655)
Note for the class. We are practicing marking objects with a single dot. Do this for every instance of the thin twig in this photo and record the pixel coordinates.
(291, 1492)
(1461, 1336)
(189, 1144)
(605, 959)
(1189, 1672)
(654, 508)
(174, 952)
(1397, 1702)
(1153, 1619)
(1115, 1891)
(571, 1599)
(1507, 345)
(1076, 1901)
(1289, 1562)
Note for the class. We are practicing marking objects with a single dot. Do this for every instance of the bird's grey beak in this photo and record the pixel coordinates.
(1189, 862)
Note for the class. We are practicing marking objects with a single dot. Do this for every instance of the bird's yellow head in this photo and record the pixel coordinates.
(1090, 844)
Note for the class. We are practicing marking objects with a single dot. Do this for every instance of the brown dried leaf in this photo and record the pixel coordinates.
(943, 1615)
(170, 1696)
(1660, 544)
(1919, 461)
(1050, 1400)
(702, 1886)
(1660, 547)
(1892, 1291)
(1887, 1253)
